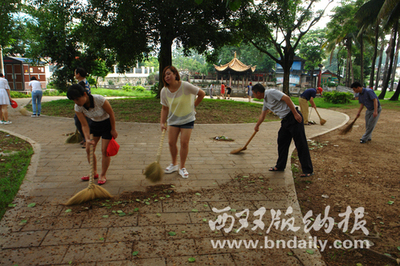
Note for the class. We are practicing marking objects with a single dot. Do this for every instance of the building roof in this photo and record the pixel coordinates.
(235, 66)
(19, 60)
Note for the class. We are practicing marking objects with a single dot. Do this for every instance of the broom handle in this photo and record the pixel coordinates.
(318, 114)
(91, 159)
(252, 136)
(160, 147)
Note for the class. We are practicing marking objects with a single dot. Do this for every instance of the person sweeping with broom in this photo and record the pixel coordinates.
(308, 96)
(101, 125)
(367, 98)
(292, 127)
(178, 99)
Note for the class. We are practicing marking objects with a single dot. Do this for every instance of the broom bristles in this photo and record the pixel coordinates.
(74, 138)
(90, 193)
(322, 122)
(348, 128)
(23, 111)
(154, 172)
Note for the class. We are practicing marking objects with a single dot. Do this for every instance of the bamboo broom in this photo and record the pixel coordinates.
(92, 191)
(348, 128)
(154, 171)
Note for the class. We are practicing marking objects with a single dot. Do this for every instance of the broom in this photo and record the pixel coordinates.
(74, 138)
(23, 110)
(153, 171)
(348, 128)
(92, 191)
(245, 146)
(321, 121)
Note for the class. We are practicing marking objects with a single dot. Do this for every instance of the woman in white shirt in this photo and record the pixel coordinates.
(178, 99)
(37, 94)
(5, 99)
(101, 124)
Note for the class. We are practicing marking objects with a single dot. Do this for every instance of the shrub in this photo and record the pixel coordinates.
(338, 97)
(139, 88)
(128, 87)
(154, 88)
(17, 94)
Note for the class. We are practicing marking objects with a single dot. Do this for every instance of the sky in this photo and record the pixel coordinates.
(325, 18)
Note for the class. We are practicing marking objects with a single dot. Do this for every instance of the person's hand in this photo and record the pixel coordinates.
(375, 114)
(256, 128)
(114, 133)
(298, 117)
(358, 115)
(89, 142)
(163, 127)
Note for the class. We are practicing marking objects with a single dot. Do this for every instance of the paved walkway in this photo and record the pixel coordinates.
(48, 235)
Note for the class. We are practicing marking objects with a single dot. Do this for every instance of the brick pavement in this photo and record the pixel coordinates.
(48, 235)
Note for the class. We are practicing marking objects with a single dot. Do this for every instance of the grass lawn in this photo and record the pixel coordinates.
(14, 162)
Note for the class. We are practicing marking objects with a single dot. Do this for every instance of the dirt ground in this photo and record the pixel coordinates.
(348, 173)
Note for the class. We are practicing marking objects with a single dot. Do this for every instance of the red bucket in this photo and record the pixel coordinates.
(14, 104)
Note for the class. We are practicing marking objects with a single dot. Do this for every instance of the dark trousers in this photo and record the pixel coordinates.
(79, 126)
(291, 129)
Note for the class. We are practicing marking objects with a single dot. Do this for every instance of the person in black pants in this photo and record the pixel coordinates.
(292, 127)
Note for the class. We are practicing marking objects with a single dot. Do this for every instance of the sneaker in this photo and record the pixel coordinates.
(33, 115)
(171, 168)
(6, 122)
(184, 173)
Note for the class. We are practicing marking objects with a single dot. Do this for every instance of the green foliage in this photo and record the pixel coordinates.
(338, 97)
(130, 88)
(12, 170)
(16, 94)
(92, 81)
(154, 88)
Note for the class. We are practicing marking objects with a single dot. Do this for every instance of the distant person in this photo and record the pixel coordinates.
(5, 100)
(228, 91)
(367, 98)
(211, 88)
(292, 127)
(80, 74)
(249, 91)
(178, 99)
(37, 94)
(223, 90)
(308, 96)
(98, 111)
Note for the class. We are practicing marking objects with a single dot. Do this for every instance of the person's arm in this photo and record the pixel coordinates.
(107, 107)
(163, 118)
(200, 96)
(375, 108)
(85, 127)
(289, 103)
(360, 109)
(260, 120)
(312, 103)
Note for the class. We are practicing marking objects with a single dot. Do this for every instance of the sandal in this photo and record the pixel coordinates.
(307, 175)
(102, 182)
(274, 169)
(86, 178)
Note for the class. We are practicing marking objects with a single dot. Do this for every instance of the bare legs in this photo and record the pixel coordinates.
(105, 160)
(173, 133)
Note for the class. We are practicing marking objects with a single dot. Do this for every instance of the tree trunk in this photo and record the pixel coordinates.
(371, 77)
(391, 53)
(378, 73)
(396, 94)
(287, 64)
(396, 58)
(348, 63)
(164, 60)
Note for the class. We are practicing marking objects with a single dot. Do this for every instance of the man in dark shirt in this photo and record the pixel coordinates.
(367, 98)
(308, 95)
